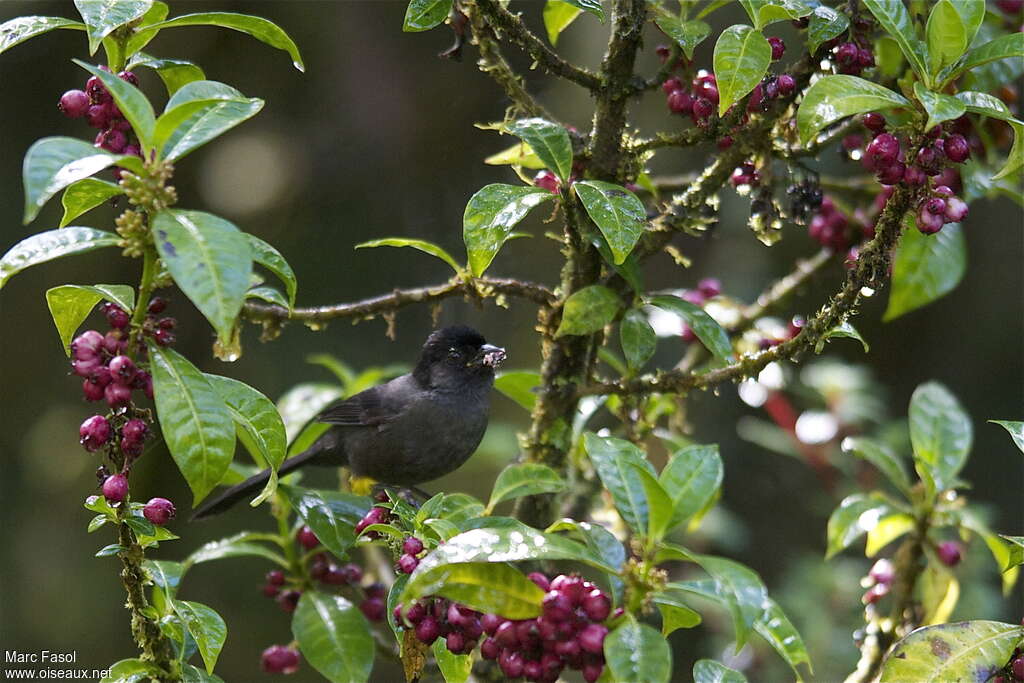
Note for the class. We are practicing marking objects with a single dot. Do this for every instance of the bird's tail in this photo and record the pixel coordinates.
(251, 486)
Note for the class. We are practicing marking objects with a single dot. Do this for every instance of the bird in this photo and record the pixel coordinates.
(410, 430)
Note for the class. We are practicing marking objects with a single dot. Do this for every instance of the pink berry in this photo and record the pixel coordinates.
(115, 488)
(929, 223)
(591, 638)
(111, 140)
(702, 109)
(778, 47)
(710, 287)
(489, 649)
(557, 606)
(87, 345)
(122, 370)
(159, 511)
(428, 630)
(596, 605)
(592, 671)
(913, 176)
(455, 641)
(412, 546)
(279, 659)
(540, 580)
(708, 90)
(506, 635)
(891, 173)
(97, 91)
(680, 102)
(91, 390)
(129, 77)
(935, 205)
(546, 180)
(883, 571)
(671, 85)
(74, 104)
(407, 563)
(117, 394)
(847, 54)
(94, 433)
(949, 553)
(1017, 665)
(511, 663)
(957, 149)
(882, 151)
(787, 85)
(956, 210)
(116, 316)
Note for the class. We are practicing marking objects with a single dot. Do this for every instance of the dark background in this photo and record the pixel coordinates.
(375, 140)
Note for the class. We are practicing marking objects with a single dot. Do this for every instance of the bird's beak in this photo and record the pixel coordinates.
(491, 356)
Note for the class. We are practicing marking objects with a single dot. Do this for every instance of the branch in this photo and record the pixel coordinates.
(871, 270)
(479, 288)
(771, 297)
(513, 27)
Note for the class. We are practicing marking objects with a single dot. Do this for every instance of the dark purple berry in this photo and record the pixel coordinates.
(113, 343)
(506, 634)
(1017, 665)
(74, 104)
(787, 85)
(892, 173)
(428, 630)
(97, 116)
(489, 649)
(412, 546)
(117, 394)
(949, 553)
(707, 90)
(778, 48)
(353, 573)
(874, 122)
(957, 149)
(591, 638)
(596, 605)
(914, 177)
(702, 109)
(557, 606)
(270, 591)
(111, 140)
(122, 370)
(332, 575)
(117, 317)
(115, 488)
(847, 54)
(407, 563)
(129, 77)
(159, 511)
(532, 670)
(87, 345)
(882, 151)
(156, 305)
(592, 671)
(306, 538)
(288, 600)
(373, 609)
(1011, 7)
(164, 337)
(279, 659)
(93, 391)
(455, 642)
(94, 433)
(511, 663)
(275, 577)
(865, 58)
(97, 91)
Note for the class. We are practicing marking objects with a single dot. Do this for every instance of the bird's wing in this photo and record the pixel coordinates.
(373, 407)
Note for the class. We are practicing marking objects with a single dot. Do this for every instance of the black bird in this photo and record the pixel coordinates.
(413, 429)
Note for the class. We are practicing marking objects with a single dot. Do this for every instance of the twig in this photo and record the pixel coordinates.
(778, 291)
(517, 33)
(684, 138)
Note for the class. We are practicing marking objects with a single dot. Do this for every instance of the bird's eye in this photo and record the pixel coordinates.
(454, 353)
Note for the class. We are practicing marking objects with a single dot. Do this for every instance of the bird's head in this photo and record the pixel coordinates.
(456, 355)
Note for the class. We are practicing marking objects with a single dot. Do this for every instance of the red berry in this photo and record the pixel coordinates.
(708, 90)
(506, 635)
(129, 77)
(428, 630)
(288, 600)
(117, 394)
(702, 109)
(592, 671)
(725, 142)
(407, 563)
(115, 488)
(778, 47)
(671, 85)
(710, 287)
(412, 546)
(532, 670)
(557, 605)
(787, 85)
(1017, 668)
(94, 433)
(306, 538)
(949, 553)
(353, 573)
(116, 316)
(873, 121)
(164, 337)
(375, 590)
(92, 390)
(97, 91)
(159, 511)
(122, 370)
(332, 575)
(279, 659)
(680, 102)
(865, 58)
(847, 54)
(591, 638)
(270, 591)
(957, 149)
(596, 605)
(489, 649)
(546, 180)
(275, 577)
(74, 104)
(511, 663)
(156, 305)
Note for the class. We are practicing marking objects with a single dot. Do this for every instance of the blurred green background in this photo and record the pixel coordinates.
(375, 140)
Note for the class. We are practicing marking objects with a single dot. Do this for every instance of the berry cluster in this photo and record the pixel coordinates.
(280, 659)
(852, 58)
(409, 560)
(699, 101)
(570, 632)
(100, 111)
(879, 581)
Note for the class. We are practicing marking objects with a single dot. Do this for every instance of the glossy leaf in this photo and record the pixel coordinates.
(659, 504)
(422, 15)
(675, 614)
(889, 57)
(458, 508)
(999, 550)
(71, 304)
(825, 24)
(593, 6)
(703, 325)
(637, 338)
(972, 15)
(454, 668)
(939, 107)
(101, 17)
(20, 29)
(519, 154)
(894, 18)
(1015, 554)
(549, 141)
(165, 573)
(588, 310)
(741, 60)
(764, 12)
(51, 164)
(888, 529)
(778, 631)
(1015, 429)
(334, 637)
(947, 35)
(926, 267)
(617, 213)
(206, 627)
(961, 651)
(882, 457)
(421, 245)
(526, 479)
(492, 587)
(710, 671)
(133, 104)
(835, 97)
(190, 125)
(210, 260)
(603, 542)
(255, 415)
(194, 421)
(941, 434)
(257, 27)
(175, 73)
(191, 674)
(692, 477)
(239, 545)
(270, 258)
(269, 295)
(687, 34)
(613, 460)
(50, 245)
(332, 515)
(855, 516)
(843, 330)
(939, 594)
(142, 35)
(987, 105)
(519, 386)
(557, 17)
(636, 653)
(1003, 47)
(302, 402)
(490, 216)
(131, 671)
(84, 195)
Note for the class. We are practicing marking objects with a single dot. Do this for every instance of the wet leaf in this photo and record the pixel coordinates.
(195, 115)
(894, 18)
(855, 516)
(334, 637)
(764, 12)
(206, 627)
(50, 245)
(239, 545)
(519, 386)
(493, 587)
(257, 27)
(20, 29)
(175, 73)
(882, 457)
(825, 24)
(454, 668)
(710, 671)
(961, 651)
(637, 338)
(941, 434)
(490, 217)
(1015, 429)
(940, 108)
(926, 268)
(421, 245)
(103, 16)
(692, 477)
(617, 213)
(588, 310)
(526, 479)
(675, 614)
(557, 17)
(270, 258)
(947, 35)
(422, 15)
(636, 653)
(549, 141)
(703, 325)
(332, 515)
(842, 330)
(835, 97)
(133, 104)
(84, 195)
(687, 34)
(741, 60)
(70, 305)
(614, 459)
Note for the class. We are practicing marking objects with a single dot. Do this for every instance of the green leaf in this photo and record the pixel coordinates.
(302, 402)
(592, 6)
(617, 213)
(493, 587)
(637, 338)
(454, 668)
(130, 670)
(140, 525)
(710, 671)
(422, 15)
(84, 195)
(190, 124)
(692, 477)
(209, 259)
(741, 60)
(675, 614)
(659, 505)
(778, 631)
(941, 434)
(490, 216)
(1003, 47)
(855, 516)
(255, 415)
(191, 674)
(588, 310)
(257, 27)
(882, 457)
(888, 529)
(1000, 551)
(844, 330)
(835, 97)
(334, 637)
(194, 421)
(238, 545)
(269, 295)
(604, 543)
(636, 653)
(961, 651)
(549, 141)
(972, 15)
(458, 508)
(926, 267)
(332, 515)
(527, 479)
(109, 550)
(101, 17)
(206, 627)
(270, 258)
(50, 245)
(938, 106)
(165, 573)
(20, 29)
(175, 73)
(1015, 430)
(612, 458)
(557, 17)
(51, 164)
(142, 35)
(1016, 552)
(987, 105)
(519, 386)
(71, 304)
(895, 19)
(889, 57)
(825, 24)
(519, 154)
(947, 35)
(687, 34)
(703, 325)
(764, 12)
(422, 245)
(133, 104)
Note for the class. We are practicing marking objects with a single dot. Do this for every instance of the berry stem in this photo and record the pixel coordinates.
(149, 261)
